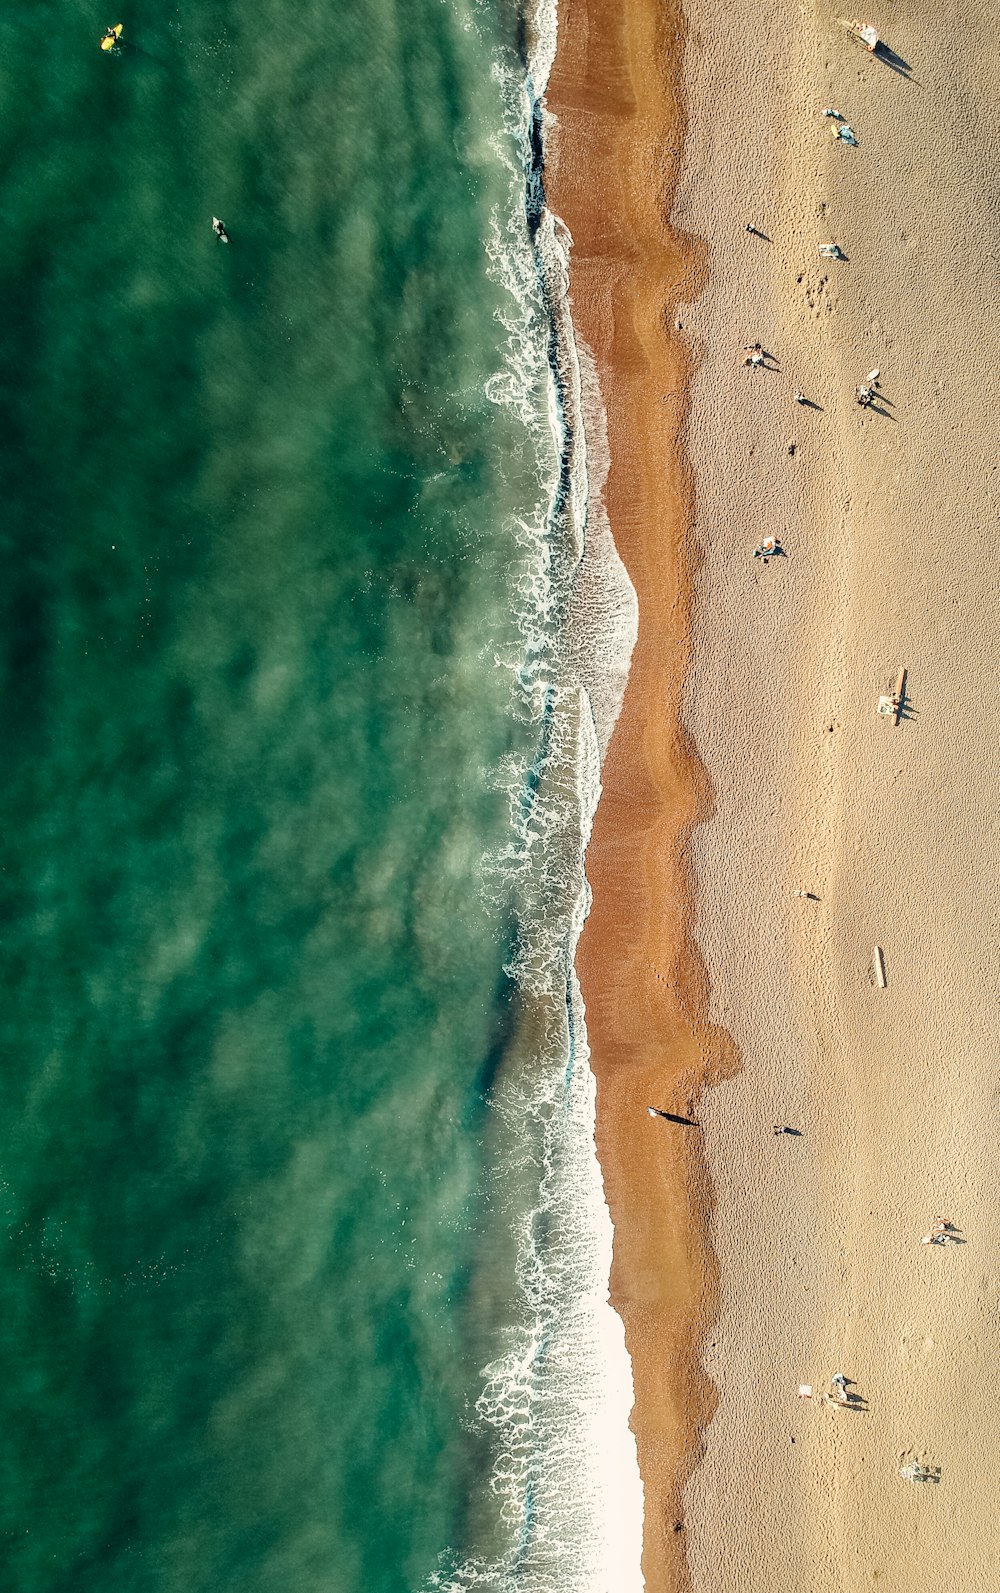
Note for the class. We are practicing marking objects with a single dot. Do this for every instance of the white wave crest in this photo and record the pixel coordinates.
(558, 1396)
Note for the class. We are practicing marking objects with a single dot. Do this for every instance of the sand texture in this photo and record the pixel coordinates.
(609, 165)
(889, 517)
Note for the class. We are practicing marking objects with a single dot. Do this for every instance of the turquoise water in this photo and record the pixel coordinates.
(257, 571)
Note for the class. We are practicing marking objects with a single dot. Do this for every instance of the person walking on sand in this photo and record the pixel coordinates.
(672, 1117)
(753, 354)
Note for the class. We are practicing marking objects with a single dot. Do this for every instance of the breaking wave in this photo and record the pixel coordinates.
(557, 1398)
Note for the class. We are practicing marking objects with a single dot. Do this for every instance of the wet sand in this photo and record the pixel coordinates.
(610, 168)
(888, 515)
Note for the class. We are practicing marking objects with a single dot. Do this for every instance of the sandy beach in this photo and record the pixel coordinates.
(887, 517)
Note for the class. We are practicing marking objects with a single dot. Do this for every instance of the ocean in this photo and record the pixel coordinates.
(304, 1252)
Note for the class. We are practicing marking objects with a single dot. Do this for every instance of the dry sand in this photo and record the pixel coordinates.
(890, 521)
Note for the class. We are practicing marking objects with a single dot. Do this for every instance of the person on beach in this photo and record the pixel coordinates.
(865, 396)
(838, 1394)
(917, 1471)
(753, 354)
(672, 1117)
(800, 398)
(942, 1230)
(770, 548)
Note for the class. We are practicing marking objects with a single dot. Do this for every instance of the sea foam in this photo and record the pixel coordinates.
(558, 1396)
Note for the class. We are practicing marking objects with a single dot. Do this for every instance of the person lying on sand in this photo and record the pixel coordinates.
(770, 548)
(942, 1231)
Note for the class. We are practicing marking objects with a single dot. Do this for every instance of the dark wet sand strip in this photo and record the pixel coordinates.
(610, 172)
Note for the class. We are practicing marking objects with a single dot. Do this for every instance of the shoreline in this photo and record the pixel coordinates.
(749, 713)
(618, 135)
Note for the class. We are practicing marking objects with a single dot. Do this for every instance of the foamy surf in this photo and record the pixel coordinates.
(558, 1397)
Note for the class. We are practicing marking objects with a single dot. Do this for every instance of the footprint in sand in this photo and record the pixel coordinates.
(914, 1345)
(817, 297)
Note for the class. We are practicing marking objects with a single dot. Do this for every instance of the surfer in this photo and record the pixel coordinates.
(219, 230)
(111, 37)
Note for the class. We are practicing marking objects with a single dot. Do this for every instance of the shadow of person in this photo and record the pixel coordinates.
(906, 709)
(893, 60)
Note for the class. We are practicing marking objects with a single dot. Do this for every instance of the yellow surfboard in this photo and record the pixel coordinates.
(112, 36)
